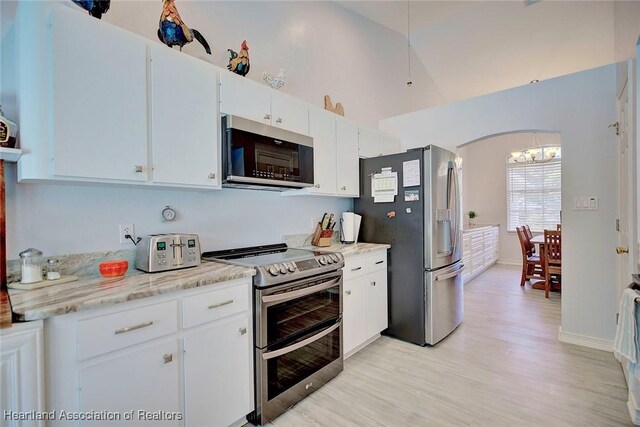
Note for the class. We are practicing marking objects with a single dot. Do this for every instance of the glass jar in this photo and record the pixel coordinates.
(32, 265)
(53, 269)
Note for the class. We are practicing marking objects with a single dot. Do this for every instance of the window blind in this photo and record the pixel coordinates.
(534, 195)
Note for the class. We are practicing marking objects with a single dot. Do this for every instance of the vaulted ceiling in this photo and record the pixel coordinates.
(470, 48)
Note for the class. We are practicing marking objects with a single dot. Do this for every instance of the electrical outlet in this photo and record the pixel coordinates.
(124, 230)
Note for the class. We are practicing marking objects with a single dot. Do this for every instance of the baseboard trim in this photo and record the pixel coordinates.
(585, 340)
(634, 411)
(361, 346)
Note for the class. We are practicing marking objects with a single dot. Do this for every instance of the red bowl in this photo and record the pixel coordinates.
(115, 268)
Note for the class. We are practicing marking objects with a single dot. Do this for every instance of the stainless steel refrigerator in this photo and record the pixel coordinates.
(423, 224)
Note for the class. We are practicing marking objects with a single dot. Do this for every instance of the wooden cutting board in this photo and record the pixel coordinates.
(5, 310)
(42, 284)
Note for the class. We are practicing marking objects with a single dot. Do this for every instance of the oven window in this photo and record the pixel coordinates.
(293, 318)
(285, 371)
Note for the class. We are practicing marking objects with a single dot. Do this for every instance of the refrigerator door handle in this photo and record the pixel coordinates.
(449, 275)
(456, 211)
(452, 194)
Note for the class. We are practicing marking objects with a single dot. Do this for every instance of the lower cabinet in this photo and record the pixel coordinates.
(183, 359)
(21, 373)
(365, 307)
(480, 250)
(215, 373)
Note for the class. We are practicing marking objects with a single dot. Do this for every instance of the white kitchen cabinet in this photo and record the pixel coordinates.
(373, 143)
(184, 119)
(242, 97)
(365, 300)
(322, 128)
(146, 379)
(99, 121)
(348, 162)
(217, 373)
(21, 371)
(480, 250)
(179, 352)
(389, 144)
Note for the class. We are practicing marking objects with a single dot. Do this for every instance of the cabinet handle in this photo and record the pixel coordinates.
(168, 358)
(134, 327)
(220, 304)
(356, 269)
(348, 292)
(138, 168)
(317, 185)
(379, 262)
(343, 188)
(212, 176)
(267, 116)
(242, 331)
(373, 283)
(279, 120)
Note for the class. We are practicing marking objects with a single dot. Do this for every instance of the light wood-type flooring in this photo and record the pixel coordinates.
(502, 367)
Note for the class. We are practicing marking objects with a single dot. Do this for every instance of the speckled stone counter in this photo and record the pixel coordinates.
(351, 250)
(96, 292)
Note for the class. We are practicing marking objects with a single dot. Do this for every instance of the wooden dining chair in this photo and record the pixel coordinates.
(552, 258)
(531, 264)
(529, 235)
(559, 227)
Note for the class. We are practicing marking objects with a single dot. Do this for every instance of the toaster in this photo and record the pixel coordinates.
(162, 252)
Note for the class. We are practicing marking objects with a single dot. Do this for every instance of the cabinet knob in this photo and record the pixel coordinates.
(348, 292)
(242, 331)
(267, 116)
(168, 358)
(279, 120)
(212, 176)
(138, 168)
(317, 185)
(343, 188)
(373, 283)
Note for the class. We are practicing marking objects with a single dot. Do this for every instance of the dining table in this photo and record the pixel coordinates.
(539, 242)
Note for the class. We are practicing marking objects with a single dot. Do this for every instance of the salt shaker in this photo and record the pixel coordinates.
(53, 269)
(32, 264)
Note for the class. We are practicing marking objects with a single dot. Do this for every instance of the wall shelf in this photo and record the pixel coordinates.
(10, 154)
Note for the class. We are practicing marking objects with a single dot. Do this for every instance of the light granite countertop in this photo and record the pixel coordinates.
(90, 293)
(351, 250)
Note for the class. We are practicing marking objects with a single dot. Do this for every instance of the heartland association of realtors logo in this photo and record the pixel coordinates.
(139, 415)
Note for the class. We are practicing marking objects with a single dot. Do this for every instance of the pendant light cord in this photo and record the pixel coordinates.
(409, 82)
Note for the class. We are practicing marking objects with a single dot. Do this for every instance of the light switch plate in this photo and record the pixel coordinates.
(586, 203)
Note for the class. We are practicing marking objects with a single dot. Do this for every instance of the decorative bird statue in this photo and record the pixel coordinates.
(96, 8)
(239, 62)
(174, 32)
(277, 81)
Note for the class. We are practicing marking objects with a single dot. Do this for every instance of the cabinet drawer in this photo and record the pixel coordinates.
(354, 268)
(110, 332)
(376, 262)
(203, 308)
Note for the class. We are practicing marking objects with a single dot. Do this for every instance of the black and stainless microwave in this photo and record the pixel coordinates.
(259, 156)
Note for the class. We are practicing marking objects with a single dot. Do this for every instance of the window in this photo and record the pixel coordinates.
(534, 195)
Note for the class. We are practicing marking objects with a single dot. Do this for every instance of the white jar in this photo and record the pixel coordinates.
(32, 264)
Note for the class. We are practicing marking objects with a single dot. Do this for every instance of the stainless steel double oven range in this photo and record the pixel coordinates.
(297, 322)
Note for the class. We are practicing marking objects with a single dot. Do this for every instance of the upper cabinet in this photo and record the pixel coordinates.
(243, 97)
(184, 119)
(322, 128)
(348, 166)
(99, 122)
(372, 143)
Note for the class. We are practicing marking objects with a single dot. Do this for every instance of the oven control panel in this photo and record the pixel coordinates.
(304, 265)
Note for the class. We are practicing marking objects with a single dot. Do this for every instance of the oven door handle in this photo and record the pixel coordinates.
(296, 346)
(301, 292)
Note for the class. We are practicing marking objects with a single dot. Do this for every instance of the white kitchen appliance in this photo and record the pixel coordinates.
(350, 224)
(162, 252)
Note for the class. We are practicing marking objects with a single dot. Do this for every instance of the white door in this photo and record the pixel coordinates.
(322, 127)
(289, 113)
(368, 143)
(348, 162)
(218, 373)
(377, 312)
(242, 97)
(354, 329)
(184, 119)
(146, 379)
(624, 276)
(99, 100)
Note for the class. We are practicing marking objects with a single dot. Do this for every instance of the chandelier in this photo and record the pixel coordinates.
(536, 153)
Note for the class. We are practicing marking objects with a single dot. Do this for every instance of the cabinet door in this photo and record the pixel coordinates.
(142, 380)
(242, 97)
(354, 313)
(377, 312)
(389, 144)
(184, 119)
(322, 127)
(348, 170)
(368, 143)
(99, 100)
(289, 113)
(218, 373)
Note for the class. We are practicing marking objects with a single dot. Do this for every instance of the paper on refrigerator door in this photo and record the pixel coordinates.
(384, 186)
(411, 173)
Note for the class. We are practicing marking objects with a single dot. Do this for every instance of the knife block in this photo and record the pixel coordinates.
(321, 238)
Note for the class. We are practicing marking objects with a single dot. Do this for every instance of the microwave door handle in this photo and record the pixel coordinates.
(301, 292)
(296, 346)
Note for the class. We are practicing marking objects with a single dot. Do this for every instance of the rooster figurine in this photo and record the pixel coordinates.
(96, 8)
(239, 62)
(174, 32)
(277, 81)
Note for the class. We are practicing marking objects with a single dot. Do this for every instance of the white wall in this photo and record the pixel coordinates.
(485, 183)
(580, 107)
